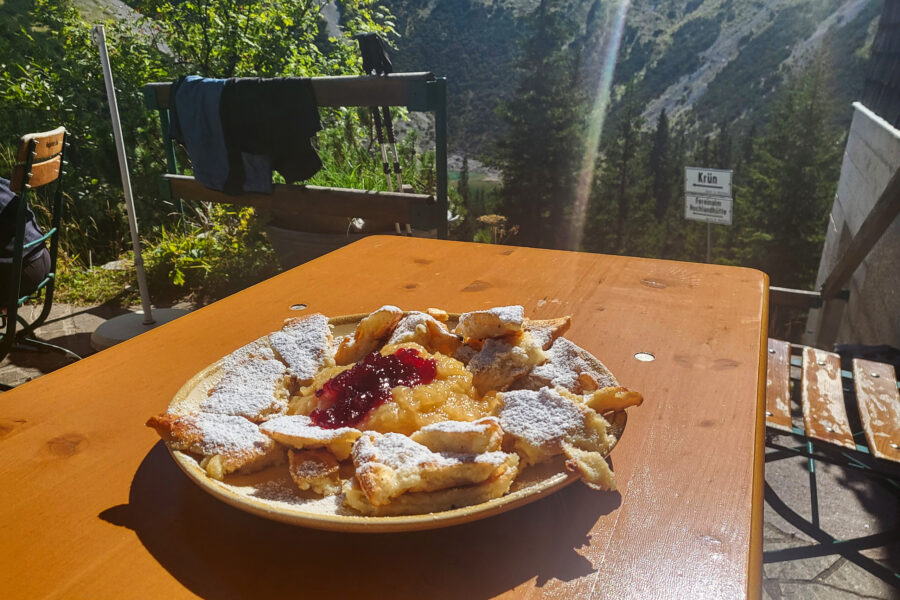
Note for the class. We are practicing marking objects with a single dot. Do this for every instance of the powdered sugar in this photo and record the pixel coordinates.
(542, 336)
(305, 345)
(494, 322)
(496, 354)
(253, 389)
(478, 426)
(400, 453)
(406, 329)
(565, 362)
(225, 434)
(394, 450)
(539, 417)
(257, 348)
(300, 426)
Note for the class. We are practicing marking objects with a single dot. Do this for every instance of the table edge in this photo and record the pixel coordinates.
(755, 552)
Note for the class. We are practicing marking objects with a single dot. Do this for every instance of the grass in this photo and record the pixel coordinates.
(87, 286)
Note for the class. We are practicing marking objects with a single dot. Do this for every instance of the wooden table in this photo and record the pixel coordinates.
(92, 505)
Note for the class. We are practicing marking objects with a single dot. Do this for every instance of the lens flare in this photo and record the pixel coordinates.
(600, 68)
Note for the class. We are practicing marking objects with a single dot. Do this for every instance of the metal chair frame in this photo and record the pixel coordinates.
(19, 333)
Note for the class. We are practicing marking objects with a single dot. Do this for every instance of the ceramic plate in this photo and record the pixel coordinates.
(271, 493)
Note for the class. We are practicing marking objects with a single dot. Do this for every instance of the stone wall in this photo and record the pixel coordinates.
(872, 314)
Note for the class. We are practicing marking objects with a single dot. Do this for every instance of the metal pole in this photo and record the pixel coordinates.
(708, 243)
(98, 35)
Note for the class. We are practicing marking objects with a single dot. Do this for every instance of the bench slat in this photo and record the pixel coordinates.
(778, 385)
(824, 415)
(879, 406)
(307, 199)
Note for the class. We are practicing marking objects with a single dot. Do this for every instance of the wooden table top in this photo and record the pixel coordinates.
(93, 506)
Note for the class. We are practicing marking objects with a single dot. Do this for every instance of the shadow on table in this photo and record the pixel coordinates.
(220, 552)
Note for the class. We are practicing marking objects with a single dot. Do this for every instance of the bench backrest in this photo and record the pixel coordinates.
(415, 91)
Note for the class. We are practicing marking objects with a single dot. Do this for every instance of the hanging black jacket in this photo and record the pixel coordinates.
(273, 117)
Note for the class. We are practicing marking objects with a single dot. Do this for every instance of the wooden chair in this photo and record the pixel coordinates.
(830, 399)
(298, 203)
(39, 162)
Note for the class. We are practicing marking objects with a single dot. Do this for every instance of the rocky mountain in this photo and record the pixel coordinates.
(705, 62)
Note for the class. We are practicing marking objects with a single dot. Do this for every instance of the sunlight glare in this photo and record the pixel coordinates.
(604, 59)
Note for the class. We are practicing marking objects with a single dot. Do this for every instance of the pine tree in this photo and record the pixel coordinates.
(543, 122)
(789, 184)
(660, 166)
(617, 191)
(463, 185)
(723, 147)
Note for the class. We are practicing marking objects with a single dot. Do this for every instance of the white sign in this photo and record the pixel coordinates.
(708, 209)
(707, 182)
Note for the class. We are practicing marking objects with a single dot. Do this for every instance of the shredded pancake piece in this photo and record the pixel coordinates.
(571, 367)
(412, 503)
(226, 442)
(390, 464)
(544, 423)
(503, 360)
(491, 323)
(315, 470)
(426, 331)
(461, 437)
(545, 331)
(305, 345)
(256, 387)
(298, 431)
(371, 332)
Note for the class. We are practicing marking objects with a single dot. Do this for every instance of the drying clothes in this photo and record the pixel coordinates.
(196, 123)
(274, 117)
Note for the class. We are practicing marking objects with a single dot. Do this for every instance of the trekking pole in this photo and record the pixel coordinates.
(376, 62)
(389, 129)
(384, 157)
(379, 134)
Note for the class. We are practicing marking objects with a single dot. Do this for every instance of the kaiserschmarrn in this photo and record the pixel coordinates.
(412, 412)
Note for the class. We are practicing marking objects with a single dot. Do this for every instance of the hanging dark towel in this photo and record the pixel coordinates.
(274, 117)
(195, 122)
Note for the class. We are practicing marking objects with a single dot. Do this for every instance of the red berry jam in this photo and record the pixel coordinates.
(347, 398)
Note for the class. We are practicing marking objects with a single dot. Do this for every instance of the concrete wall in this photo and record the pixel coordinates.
(872, 315)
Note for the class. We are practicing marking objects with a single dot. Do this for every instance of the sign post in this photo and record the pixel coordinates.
(708, 198)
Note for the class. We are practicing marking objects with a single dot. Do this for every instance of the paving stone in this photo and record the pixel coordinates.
(854, 579)
(67, 326)
(806, 569)
(818, 591)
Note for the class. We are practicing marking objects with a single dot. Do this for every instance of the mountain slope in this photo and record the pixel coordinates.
(704, 61)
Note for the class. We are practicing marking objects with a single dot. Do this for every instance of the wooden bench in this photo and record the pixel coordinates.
(295, 204)
(826, 419)
(850, 419)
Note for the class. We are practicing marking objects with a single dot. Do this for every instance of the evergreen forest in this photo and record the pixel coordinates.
(580, 115)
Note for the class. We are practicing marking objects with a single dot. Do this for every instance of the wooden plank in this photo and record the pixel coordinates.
(47, 144)
(390, 90)
(92, 503)
(824, 414)
(879, 219)
(302, 200)
(42, 173)
(778, 385)
(794, 298)
(879, 407)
